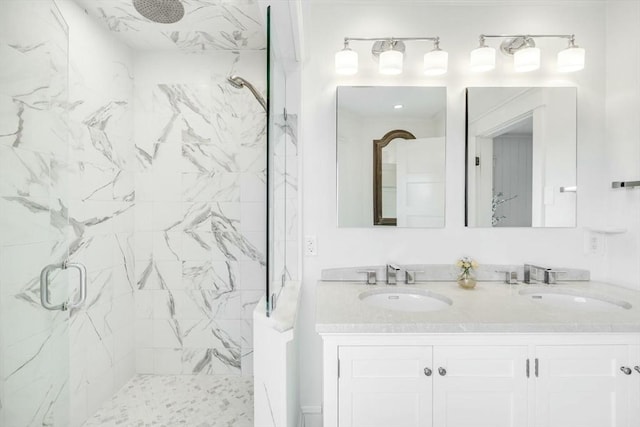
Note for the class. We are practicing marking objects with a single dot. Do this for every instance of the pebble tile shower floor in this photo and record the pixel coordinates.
(168, 401)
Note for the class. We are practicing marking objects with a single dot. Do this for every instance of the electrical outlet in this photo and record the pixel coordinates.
(310, 245)
(594, 244)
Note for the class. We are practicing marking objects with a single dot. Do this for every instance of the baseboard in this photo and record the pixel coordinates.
(310, 416)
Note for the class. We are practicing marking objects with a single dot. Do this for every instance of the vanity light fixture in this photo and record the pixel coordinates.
(389, 52)
(398, 106)
(526, 56)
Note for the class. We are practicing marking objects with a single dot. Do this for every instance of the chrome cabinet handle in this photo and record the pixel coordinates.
(637, 368)
(626, 370)
(442, 371)
(427, 372)
(45, 293)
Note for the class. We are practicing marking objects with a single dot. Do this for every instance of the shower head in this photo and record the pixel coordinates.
(161, 11)
(238, 82)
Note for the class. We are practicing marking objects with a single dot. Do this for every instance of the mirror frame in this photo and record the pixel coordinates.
(378, 145)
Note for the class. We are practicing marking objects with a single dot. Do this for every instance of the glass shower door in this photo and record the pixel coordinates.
(34, 345)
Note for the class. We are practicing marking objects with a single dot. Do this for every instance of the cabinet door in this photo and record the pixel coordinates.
(582, 386)
(634, 395)
(480, 386)
(385, 386)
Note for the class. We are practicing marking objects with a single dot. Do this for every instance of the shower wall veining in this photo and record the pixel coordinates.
(101, 211)
(149, 168)
(34, 211)
(200, 211)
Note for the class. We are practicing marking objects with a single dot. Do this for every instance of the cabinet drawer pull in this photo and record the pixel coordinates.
(427, 372)
(442, 371)
(637, 368)
(626, 370)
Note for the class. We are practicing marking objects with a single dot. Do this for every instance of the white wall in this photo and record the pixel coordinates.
(326, 24)
(623, 141)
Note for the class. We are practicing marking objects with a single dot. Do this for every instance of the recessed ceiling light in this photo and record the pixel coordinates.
(398, 106)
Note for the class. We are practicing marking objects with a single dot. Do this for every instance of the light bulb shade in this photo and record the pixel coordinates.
(390, 62)
(346, 62)
(436, 62)
(571, 59)
(483, 59)
(527, 59)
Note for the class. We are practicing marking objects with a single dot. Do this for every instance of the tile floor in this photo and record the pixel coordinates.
(179, 400)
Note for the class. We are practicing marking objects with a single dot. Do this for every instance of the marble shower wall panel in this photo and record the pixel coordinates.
(200, 211)
(101, 211)
(34, 346)
(206, 26)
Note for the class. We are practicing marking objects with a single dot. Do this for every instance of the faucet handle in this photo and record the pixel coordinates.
(551, 276)
(510, 276)
(410, 276)
(371, 276)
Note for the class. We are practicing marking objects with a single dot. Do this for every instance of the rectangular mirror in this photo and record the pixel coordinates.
(391, 156)
(521, 157)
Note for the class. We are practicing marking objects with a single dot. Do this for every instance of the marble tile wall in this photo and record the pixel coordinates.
(101, 211)
(200, 211)
(33, 212)
(67, 193)
(206, 25)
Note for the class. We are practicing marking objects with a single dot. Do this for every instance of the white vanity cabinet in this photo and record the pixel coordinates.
(477, 380)
(473, 383)
(584, 386)
(385, 386)
(634, 408)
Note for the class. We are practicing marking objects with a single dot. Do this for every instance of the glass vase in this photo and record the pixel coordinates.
(466, 280)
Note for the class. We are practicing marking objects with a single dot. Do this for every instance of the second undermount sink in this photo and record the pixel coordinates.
(402, 299)
(574, 298)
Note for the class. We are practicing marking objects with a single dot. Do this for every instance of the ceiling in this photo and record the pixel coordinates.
(207, 25)
(380, 100)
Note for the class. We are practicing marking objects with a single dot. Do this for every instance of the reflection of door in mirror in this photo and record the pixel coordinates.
(521, 150)
(420, 182)
(366, 114)
(504, 185)
(409, 180)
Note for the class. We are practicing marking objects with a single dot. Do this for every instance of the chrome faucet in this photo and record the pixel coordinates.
(392, 274)
(532, 274)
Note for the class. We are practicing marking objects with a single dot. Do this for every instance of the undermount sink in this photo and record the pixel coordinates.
(574, 298)
(401, 299)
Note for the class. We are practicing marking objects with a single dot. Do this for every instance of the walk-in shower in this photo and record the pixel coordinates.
(238, 82)
(124, 148)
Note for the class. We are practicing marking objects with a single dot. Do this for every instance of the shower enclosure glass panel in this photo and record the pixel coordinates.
(279, 173)
(34, 345)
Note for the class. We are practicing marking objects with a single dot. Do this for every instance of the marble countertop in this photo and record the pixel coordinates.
(490, 307)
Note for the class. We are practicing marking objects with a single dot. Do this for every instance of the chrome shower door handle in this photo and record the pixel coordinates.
(82, 272)
(45, 293)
